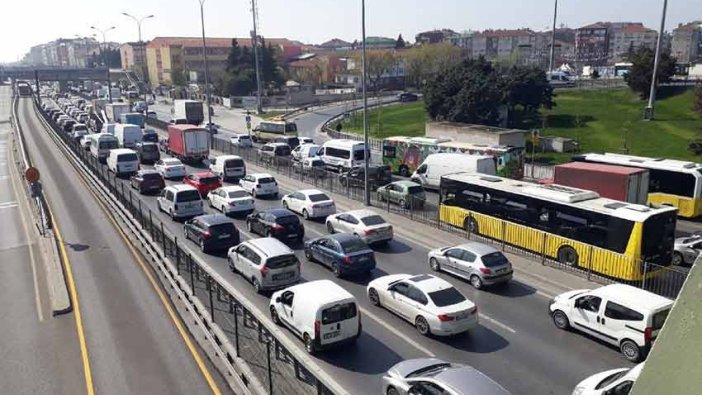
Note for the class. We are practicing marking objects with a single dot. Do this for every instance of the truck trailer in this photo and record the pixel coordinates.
(627, 184)
(188, 143)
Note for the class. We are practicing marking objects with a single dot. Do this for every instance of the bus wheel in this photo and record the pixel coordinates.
(471, 226)
(568, 256)
(404, 171)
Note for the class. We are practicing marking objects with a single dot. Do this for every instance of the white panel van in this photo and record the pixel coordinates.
(429, 173)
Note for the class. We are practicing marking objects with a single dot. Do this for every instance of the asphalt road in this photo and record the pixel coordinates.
(132, 344)
(516, 343)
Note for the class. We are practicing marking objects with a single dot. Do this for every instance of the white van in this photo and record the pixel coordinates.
(108, 128)
(625, 316)
(342, 154)
(128, 135)
(180, 201)
(305, 151)
(320, 312)
(101, 144)
(228, 167)
(429, 173)
(123, 161)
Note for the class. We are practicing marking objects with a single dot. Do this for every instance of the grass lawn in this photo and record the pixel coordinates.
(271, 114)
(601, 120)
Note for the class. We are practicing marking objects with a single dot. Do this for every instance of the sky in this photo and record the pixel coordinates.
(24, 23)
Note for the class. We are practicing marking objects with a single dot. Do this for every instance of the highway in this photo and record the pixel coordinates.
(132, 345)
(516, 343)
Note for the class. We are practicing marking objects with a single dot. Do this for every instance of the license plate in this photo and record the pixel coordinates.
(291, 236)
(363, 259)
(283, 276)
(331, 335)
(224, 236)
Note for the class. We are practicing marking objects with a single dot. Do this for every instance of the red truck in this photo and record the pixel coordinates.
(627, 184)
(188, 143)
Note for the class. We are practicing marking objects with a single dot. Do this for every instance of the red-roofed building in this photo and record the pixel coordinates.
(686, 44)
(626, 38)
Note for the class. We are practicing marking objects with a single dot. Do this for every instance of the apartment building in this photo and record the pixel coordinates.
(133, 55)
(64, 52)
(686, 43)
(626, 38)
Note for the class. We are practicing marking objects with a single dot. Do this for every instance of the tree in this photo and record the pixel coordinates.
(378, 62)
(423, 61)
(178, 76)
(527, 86)
(240, 78)
(400, 43)
(697, 106)
(639, 77)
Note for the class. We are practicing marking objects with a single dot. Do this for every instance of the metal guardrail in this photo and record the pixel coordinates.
(274, 360)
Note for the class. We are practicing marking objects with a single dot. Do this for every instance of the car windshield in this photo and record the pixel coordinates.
(208, 180)
(188, 196)
(266, 180)
(446, 297)
(353, 245)
(415, 190)
(127, 157)
(244, 138)
(225, 228)
(429, 371)
(372, 220)
(149, 148)
(172, 162)
(610, 379)
(494, 259)
(282, 150)
(287, 220)
(234, 163)
(237, 194)
(319, 197)
(151, 176)
(279, 262)
(339, 312)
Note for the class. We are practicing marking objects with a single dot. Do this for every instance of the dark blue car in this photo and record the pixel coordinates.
(343, 253)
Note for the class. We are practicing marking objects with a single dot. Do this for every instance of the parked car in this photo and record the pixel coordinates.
(147, 181)
(241, 140)
(366, 224)
(180, 201)
(378, 175)
(320, 312)
(311, 203)
(147, 152)
(170, 168)
(610, 382)
(406, 194)
(434, 376)
(478, 263)
(407, 97)
(686, 250)
(204, 182)
(212, 232)
(279, 223)
(231, 200)
(431, 304)
(260, 184)
(622, 315)
(266, 262)
(276, 153)
(343, 253)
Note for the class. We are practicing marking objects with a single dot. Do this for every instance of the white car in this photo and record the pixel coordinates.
(170, 168)
(311, 203)
(260, 184)
(231, 199)
(432, 304)
(85, 142)
(306, 140)
(366, 224)
(615, 381)
(241, 140)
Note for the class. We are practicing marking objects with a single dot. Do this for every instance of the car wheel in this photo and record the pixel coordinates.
(330, 228)
(253, 192)
(392, 391)
(309, 344)
(308, 255)
(305, 214)
(274, 316)
(434, 265)
(172, 215)
(336, 270)
(560, 319)
(422, 326)
(403, 204)
(380, 197)
(231, 265)
(374, 297)
(285, 205)
(202, 245)
(631, 350)
(677, 259)
(256, 285)
(476, 281)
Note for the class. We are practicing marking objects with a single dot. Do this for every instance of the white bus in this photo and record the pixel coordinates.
(342, 154)
(101, 144)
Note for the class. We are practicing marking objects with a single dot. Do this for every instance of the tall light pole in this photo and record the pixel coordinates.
(207, 71)
(366, 186)
(648, 113)
(138, 21)
(254, 12)
(104, 57)
(553, 36)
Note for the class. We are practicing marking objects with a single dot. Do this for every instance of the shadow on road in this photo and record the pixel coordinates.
(368, 356)
(480, 340)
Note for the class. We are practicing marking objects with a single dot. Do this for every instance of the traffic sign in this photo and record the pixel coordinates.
(248, 118)
(31, 174)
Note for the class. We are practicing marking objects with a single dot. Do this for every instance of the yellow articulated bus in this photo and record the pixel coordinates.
(573, 226)
(671, 182)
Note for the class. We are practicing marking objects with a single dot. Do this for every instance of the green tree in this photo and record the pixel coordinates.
(421, 62)
(378, 62)
(178, 76)
(271, 71)
(639, 77)
(697, 106)
(400, 43)
(527, 86)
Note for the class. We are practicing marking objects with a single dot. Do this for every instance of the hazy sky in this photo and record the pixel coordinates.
(29, 22)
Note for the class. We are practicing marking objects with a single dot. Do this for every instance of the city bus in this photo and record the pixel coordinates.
(671, 182)
(404, 154)
(270, 129)
(573, 226)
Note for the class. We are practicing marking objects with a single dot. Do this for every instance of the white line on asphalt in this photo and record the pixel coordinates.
(396, 332)
(8, 204)
(497, 323)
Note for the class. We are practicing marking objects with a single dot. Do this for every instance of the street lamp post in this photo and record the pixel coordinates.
(104, 57)
(366, 189)
(138, 22)
(553, 37)
(648, 113)
(207, 72)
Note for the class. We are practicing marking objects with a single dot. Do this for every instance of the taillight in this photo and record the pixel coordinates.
(316, 206)
(317, 327)
(206, 235)
(175, 207)
(263, 270)
(347, 260)
(368, 231)
(474, 310)
(485, 270)
(445, 318)
(648, 334)
(232, 203)
(258, 185)
(276, 227)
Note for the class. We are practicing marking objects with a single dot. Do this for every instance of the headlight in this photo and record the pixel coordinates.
(578, 390)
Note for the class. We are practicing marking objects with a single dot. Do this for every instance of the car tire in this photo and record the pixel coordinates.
(403, 204)
(305, 215)
(374, 297)
(231, 265)
(202, 246)
(476, 281)
(560, 319)
(172, 215)
(392, 391)
(336, 270)
(568, 256)
(434, 265)
(256, 285)
(330, 228)
(309, 344)
(308, 255)
(274, 316)
(404, 171)
(631, 350)
(422, 326)
(677, 259)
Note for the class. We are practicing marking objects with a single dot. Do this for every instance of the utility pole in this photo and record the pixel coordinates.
(366, 186)
(553, 36)
(648, 113)
(254, 13)
(138, 22)
(104, 58)
(207, 72)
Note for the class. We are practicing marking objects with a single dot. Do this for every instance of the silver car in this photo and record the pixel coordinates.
(434, 376)
(478, 263)
(366, 224)
(266, 262)
(686, 250)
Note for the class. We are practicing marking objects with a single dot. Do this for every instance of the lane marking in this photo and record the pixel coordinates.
(397, 333)
(496, 322)
(11, 204)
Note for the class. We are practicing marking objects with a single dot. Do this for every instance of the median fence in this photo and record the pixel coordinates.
(272, 362)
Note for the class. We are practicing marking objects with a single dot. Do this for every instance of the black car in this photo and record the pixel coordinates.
(378, 175)
(407, 97)
(343, 253)
(147, 181)
(68, 125)
(148, 152)
(149, 136)
(279, 223)
(212, 232)
(292, 141)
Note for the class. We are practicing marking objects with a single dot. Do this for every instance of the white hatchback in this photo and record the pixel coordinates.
(231, 199)
(311, 203)
(432, 304)
(259, 184)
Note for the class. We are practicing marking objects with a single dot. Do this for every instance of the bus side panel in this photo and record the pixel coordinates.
(687, 207)
(554, 243)
(524, 237)
(453, 215)
(614, 265)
